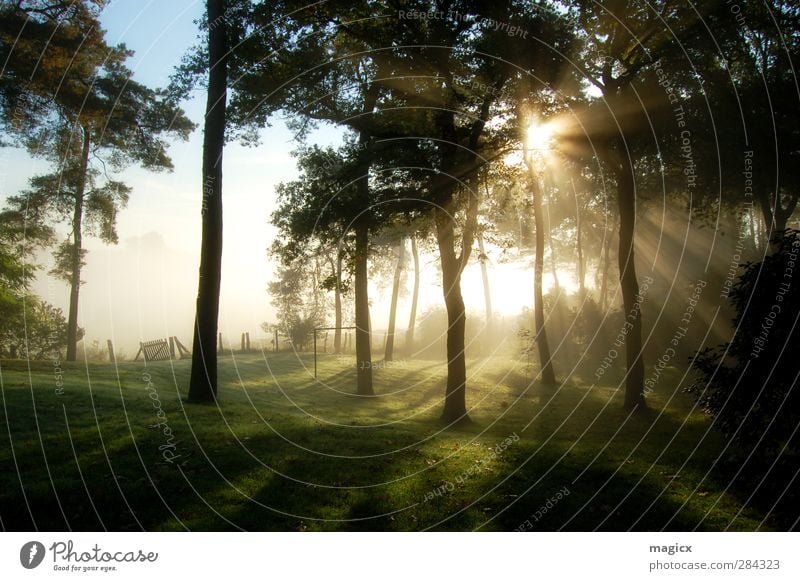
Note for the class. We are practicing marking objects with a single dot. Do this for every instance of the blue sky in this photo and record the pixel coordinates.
(159, 31)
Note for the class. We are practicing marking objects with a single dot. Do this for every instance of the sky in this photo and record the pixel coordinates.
(144, 287)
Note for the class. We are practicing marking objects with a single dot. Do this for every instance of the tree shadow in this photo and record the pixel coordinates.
(296, 473)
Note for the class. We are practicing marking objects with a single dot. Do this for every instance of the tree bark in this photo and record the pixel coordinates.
(412, 318)
(337, 303)
(579, 247)
(203, 379)
(606, 266)
(775, 215)
(362, 231)
(363, 332)
(545, 360)
(455, 403)
(316, 272)
(389, 350)
(626, 192)
(553, 259)
(487, 291)
(77, 247)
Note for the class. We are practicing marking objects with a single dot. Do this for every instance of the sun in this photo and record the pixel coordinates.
(540, 136)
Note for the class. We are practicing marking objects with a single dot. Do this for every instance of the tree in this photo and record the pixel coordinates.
(335, 282)
(325, 210)
(749, 384)
(466, 143)
(345, 90)
(412, 316)
(441, 96)
(29, 326)
(31, 30)
(764, 72)
(580, 258)
(74, 196)
(81, 109)
(622, 48)
(398, 272)
(37, 330)
(203, 379)
(545, 359)
(483, 258)
(295, 297)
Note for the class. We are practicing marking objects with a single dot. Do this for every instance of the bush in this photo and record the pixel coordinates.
(750, 383)
(39, 331)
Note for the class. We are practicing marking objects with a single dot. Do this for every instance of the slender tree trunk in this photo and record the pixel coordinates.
(487, 291)
(553, 258)
(606, 265)
(776, 217)
(634, 385)
(398, 271)
(337, 303)
(315, 275)
(363, 332)
(484, 259)
(770, 218)
(77, 247)
(751, 224)
(455, 403)
(412, 318)
(579, 246)
(203, 379)
(553, 267)
(545, 360)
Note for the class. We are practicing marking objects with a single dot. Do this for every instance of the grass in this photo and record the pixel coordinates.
(285, 452)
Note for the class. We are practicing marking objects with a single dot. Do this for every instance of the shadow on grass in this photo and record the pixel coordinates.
(298, 473)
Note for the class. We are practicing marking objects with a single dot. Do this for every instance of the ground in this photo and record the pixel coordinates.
(117, 447)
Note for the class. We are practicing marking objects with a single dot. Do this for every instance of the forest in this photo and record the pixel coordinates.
(534, 267)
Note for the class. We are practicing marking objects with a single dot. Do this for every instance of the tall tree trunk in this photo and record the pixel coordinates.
(203, 379)
(776, 215)
(579, 246)
(487, 291)
(455, 409)
(337, 303)
(315, 272)
(77, 246)
(545, 360)
(553, 259)
(363, 332)
(362, 230)
(398, 271)
(455, 403)
(412, 318)
(626, 191)
(606, 265)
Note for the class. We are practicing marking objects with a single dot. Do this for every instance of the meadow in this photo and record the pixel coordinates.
(117, 447)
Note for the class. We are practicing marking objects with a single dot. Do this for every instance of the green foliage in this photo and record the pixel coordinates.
(750, 384)
(29, 327)
(34, 330)
(300, 305)
(63, 80)
(62, 258)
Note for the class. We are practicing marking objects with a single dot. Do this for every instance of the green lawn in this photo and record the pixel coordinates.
(284, 452)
